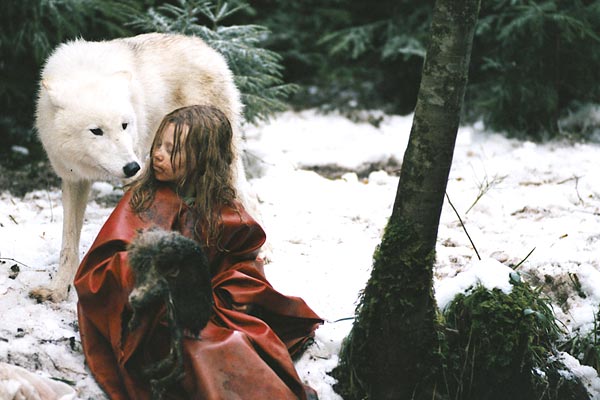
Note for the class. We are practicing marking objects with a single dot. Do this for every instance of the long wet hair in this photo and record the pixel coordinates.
(209, 165)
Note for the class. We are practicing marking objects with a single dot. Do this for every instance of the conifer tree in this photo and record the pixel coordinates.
(391, 34)
(533, 63)
(30, 30)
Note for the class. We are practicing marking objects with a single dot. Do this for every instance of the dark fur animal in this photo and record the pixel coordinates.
(171, 268)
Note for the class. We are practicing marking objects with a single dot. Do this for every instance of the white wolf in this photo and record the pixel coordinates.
(98, 108)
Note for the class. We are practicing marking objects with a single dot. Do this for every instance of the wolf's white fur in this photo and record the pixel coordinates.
(105, 85)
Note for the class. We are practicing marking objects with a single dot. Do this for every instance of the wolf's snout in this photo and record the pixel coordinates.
(131, 169)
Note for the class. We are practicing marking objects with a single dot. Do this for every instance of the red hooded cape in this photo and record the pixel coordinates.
(238, 356)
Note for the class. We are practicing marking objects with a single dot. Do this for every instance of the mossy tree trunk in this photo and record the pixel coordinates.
(392, 350)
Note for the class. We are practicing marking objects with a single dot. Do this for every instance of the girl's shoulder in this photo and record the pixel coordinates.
(239, 229)
(236, 214)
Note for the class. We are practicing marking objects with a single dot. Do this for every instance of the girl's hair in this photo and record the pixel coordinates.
(209, 160)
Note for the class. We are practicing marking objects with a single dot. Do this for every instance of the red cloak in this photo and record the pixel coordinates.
(238, 356)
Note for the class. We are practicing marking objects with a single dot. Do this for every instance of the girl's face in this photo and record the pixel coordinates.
(161, 157)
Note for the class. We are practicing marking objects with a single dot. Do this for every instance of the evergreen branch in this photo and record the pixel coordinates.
(257, 71)
(355, 40)
(251, 34)
(574, 27)
(223, 12)
(403, 44)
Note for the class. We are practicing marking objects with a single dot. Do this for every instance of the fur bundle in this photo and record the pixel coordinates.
(171, 268)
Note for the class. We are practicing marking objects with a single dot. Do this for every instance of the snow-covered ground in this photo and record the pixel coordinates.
(513, 196)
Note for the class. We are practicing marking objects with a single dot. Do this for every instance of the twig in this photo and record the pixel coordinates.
(343, 319)
(574, 177)
(577, 190)
(484, 187)
(13, 260)
(523, 260)
(463, 226)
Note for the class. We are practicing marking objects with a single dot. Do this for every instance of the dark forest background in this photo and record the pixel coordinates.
(533, 62)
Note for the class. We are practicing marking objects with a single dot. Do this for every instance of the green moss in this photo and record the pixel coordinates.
(501, 346)
(393, 344)
(487, 345)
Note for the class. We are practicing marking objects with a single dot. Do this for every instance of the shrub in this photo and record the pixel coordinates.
(502, 346)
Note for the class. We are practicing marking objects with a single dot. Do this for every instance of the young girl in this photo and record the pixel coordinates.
(189, 187)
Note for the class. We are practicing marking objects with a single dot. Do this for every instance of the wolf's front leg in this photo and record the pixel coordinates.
(74, 198)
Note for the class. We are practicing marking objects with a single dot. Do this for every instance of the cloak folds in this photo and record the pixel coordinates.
(238, 355)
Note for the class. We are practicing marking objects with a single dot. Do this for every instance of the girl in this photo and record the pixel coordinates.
(188, 186)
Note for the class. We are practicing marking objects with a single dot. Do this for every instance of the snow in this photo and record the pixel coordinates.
(586, 374)
(513, 196)
(488, 273)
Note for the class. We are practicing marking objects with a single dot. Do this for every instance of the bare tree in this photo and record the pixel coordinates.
(392, 351)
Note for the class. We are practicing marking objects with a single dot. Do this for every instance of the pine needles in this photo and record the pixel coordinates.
(257, 70)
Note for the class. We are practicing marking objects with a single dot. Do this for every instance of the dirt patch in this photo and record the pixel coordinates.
(334, 171)
(28, 177)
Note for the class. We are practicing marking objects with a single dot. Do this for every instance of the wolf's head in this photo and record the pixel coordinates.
(88, 125)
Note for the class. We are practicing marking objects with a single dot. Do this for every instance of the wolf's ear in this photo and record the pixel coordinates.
(54, 92)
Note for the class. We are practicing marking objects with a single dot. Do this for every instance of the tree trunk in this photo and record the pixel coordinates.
(392, 350)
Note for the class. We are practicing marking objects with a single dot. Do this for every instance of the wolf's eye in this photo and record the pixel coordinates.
(124, 125)
(97, 131)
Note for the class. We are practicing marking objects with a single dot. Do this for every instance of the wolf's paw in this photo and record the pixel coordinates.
(42, 294)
